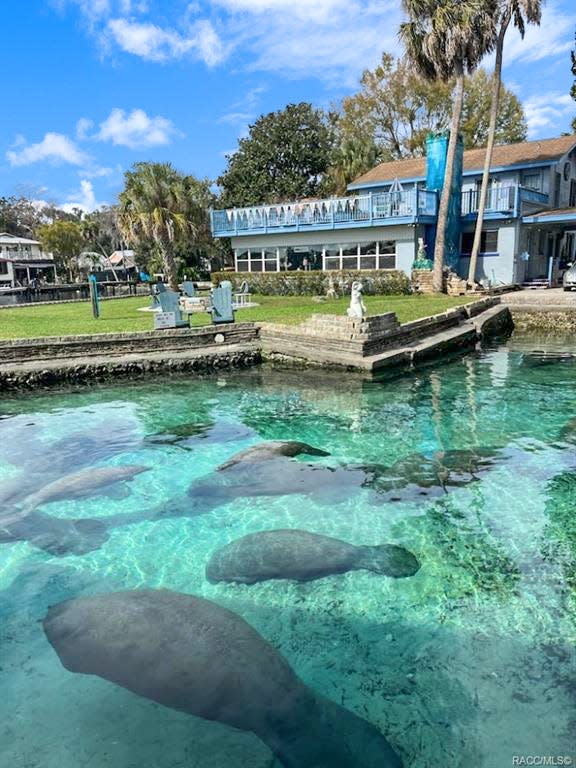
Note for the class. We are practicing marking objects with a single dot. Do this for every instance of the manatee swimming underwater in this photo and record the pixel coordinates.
(83, 484)
(271, 450)
(192, 655)
(55, 535)
(303, 556)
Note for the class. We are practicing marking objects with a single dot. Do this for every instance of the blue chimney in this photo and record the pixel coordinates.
(436, 151)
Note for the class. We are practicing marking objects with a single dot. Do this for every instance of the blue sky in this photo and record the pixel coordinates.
(92, 86)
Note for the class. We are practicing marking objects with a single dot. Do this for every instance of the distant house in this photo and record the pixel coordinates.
(21, 260)
(529, 231)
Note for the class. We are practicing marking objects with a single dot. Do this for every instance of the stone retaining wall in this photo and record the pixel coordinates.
(90, 372)
(548, 320)
(362, 337)
(118, 344)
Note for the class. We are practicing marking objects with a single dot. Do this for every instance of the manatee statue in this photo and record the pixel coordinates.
(83, 484)
(303, 556)
(272, 449)
(194, 656)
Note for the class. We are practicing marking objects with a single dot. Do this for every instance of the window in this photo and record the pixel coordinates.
(532, 181)
(488, 242)
(256, 260)
(3, 267)
(331, 257)
(270, 263)
(350, 256)
(242, 261)
(572, 202)
(387, 254)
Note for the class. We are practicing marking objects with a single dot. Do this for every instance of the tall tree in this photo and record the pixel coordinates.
(520, 12)
(573, 89)
(352, 157)
(162, 205)
(445, 39)
(284, 157)
(65, 241)
(396, 109)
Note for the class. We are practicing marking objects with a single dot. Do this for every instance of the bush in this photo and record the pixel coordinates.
(375, 282)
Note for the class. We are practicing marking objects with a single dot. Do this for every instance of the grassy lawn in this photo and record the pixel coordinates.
(122, 314)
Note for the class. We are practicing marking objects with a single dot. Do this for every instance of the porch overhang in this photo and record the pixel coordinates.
(558, 216)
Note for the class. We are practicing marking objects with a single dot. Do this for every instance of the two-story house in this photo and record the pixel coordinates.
(529, 224)
(21, 260)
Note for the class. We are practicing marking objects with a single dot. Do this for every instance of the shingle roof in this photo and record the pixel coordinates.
(503, 156)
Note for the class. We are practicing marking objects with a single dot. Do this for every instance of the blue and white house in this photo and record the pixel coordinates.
(529, 232)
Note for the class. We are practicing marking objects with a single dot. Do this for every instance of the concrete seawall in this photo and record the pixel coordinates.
(369, 345)
(375, 343)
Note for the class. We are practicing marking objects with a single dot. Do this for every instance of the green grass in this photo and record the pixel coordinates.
(122, 314)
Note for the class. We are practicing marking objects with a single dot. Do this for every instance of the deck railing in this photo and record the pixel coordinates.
(332, 213)
(498, 200)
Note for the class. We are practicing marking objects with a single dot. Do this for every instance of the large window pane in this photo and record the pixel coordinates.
(387, 246)
(270, 266)
(387, 261)
(333, 262)
(255, 265)
(367, 249)
(349, 262)
(242, 266)
(368, 262)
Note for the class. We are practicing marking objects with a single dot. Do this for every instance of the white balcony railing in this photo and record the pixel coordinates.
(372, 209)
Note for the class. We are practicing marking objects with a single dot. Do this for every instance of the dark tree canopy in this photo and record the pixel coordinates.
(285, 157)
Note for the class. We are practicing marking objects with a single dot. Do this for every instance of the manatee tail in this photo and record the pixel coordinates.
(328, 735)
(388, 560)
(182, 506)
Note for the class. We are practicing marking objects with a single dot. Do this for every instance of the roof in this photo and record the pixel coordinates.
(7, 239)
(526, 152)
(118, 257)
(558, 214)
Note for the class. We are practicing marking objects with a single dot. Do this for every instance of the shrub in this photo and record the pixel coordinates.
(375, 282)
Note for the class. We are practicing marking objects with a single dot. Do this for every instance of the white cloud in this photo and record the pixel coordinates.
(312, 10)
(135, 129)
(85, 199)
(83, 127)
(548, 113)
(554, 37)
(157, 44)
(331, 40)
(54, 147)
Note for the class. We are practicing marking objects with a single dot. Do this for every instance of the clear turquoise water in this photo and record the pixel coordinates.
(468, 663)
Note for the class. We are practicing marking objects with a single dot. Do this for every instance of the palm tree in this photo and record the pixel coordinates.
(157, 205)
(520, 12)
(445, 39)
(353, 157)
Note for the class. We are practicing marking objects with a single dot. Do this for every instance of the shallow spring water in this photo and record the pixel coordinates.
(468, 663)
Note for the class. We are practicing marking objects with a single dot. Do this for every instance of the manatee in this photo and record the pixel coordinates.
(55, 535)
(83, 484)
(303, 556)
(192, 655)
(270, 450)
(419, 475)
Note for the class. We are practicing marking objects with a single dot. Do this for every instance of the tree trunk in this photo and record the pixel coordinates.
(437, 281)
(170, 268)
(496, 88)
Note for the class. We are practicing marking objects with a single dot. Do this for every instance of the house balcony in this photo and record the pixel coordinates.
(371, 210)
(501, 202)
